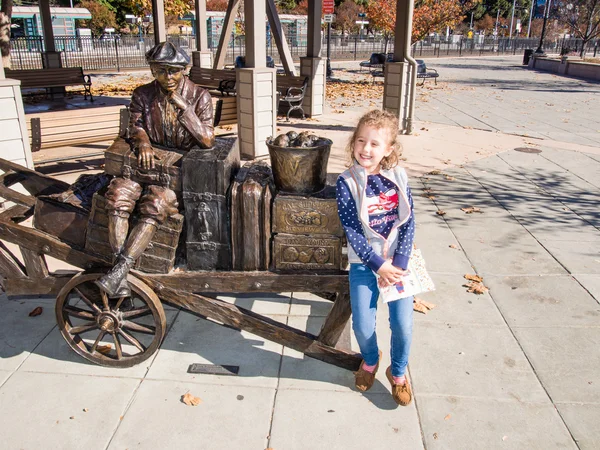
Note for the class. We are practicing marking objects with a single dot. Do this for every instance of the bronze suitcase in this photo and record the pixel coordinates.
(298, 253)
(120, 160)
(62, 220)
(159, 257)
(306, 215)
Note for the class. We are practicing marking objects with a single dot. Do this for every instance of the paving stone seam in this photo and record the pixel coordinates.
(124, 412)
(26, 358)
(274, 404)
(512, 331)
(564, 168)
(544, 190)
(578, 403)
(487, 399)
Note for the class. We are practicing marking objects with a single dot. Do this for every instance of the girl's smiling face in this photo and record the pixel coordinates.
(371, 146)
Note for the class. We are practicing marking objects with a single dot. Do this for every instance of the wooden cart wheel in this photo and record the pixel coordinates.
(110, 332)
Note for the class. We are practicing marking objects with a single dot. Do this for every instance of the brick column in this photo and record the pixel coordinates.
(396, 90)
(257, 109)
(314, 99)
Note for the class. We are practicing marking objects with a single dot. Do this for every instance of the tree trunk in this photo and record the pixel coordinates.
(5, 17)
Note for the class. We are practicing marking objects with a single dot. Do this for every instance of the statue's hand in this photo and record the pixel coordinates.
(146, 157)
(178, 101)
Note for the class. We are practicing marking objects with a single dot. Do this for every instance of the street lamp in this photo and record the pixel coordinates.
(540, 51)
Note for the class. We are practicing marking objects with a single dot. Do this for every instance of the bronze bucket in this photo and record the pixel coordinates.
(300, 170)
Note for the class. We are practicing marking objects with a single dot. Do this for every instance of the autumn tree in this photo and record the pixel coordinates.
(346, 16)
(172, 7)
(582, 18)
(102, 16)
(301, 8)
(435, 15)
(5, 18)
(216, 5)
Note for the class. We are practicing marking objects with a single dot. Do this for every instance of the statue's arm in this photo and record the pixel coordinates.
(198, 120)
(137, 133)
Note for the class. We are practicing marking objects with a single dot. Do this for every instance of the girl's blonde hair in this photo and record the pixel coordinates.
(380, 120)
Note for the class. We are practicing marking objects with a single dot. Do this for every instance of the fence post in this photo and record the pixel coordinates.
(460, 47)
(117, 54)
(355, 46)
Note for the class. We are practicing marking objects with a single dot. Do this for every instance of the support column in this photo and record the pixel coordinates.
(313, 66)
(158, 16)
(314, 98)
(280, 40)
(400, 75)
(255, 86)
(14, 139)
(232, 8)
(50, 57)
(202, 57)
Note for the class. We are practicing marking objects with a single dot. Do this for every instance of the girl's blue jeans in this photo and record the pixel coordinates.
(364, 294)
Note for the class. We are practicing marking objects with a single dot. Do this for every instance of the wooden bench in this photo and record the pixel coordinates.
(225, 111)
(64, 128)
(52, 78)
(220, 80)
(291, 92)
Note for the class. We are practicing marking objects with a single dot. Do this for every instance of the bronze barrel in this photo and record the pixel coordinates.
(300, 170)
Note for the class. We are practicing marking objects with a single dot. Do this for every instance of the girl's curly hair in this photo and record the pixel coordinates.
(380, 120)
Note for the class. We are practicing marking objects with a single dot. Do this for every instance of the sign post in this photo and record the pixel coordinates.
(328, 9)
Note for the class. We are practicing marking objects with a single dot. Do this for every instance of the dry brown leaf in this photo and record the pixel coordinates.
(36, 312)
(421, 305)
(447, 417)
(434, 172)
(471, 209)
(85, 410)
(439, 212)
(449, 178)
(475, 278)
(104, 349)
(435, 435)
(430, 197)
(453, 246)
(190, 400)
(474, 287)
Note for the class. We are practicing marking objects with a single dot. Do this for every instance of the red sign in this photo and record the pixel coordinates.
(328, 6)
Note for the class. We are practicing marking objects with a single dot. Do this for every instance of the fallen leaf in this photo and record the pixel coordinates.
(435, 435)
(85, 410)
(430, 197)
(449, 178)
(475, 278)
(434, 172)
(439, 212)
(453, 246)
(504, 438)
(474, 287)
(36, 312)
(421, 305)
(190, 400)
(72, 417)
(104, 349)
(471, 209)
(447, 417)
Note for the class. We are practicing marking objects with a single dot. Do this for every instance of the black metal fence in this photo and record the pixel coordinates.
(127, 52)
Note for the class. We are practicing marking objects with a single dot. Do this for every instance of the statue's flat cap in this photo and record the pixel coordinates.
(167, 54)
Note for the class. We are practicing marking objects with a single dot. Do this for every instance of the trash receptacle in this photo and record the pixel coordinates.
(527, 56)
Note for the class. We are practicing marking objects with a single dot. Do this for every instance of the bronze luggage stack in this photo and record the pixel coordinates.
(159, 257)
(307, 234)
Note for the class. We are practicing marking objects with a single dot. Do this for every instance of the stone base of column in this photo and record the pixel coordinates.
(396, 91)
(314, 98)
(51, 60)
(256, 110)
(202, 59)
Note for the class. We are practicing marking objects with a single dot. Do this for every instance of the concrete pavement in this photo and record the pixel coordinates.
(514, 368)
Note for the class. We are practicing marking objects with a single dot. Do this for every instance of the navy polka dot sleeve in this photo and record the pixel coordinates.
(353, 227)
(406, 236)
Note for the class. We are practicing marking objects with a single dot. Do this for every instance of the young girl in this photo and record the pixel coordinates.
(376, 210)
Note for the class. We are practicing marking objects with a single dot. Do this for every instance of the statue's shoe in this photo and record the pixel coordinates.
(114, 288)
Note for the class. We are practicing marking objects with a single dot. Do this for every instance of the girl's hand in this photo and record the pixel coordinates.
(390, 274)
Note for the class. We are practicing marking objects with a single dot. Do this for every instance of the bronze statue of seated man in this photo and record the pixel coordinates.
(170, 112)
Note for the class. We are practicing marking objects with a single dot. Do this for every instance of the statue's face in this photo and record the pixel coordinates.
(168, 77)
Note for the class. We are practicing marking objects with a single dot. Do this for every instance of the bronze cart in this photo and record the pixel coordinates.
(134, 327)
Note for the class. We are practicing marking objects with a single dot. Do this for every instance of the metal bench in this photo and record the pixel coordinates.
(424, 72)
(220, 80)
(290, 91)
(48, 79)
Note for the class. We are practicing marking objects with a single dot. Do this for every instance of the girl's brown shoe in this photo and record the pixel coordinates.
(400, 392)
(364, 380)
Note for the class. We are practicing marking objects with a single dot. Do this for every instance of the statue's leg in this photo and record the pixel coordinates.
(155, 206)
(121, 196)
